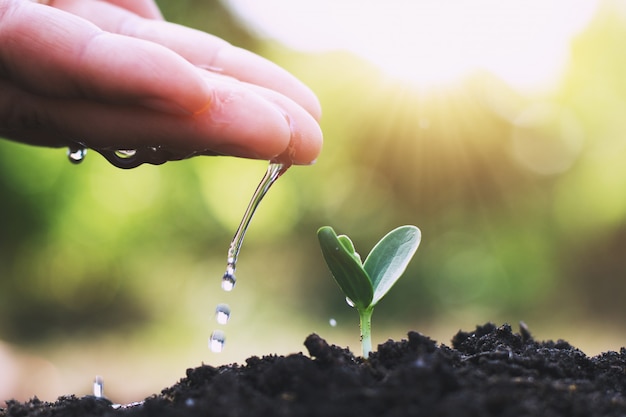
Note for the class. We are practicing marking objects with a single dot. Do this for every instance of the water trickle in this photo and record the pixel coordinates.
(274, 171)
(76, 153)
(222, 313)
(216, 341)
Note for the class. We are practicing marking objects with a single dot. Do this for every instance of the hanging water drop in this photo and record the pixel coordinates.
(216, 341)
(222, 313)
(125, 153)
(350, 302)
(76, 153)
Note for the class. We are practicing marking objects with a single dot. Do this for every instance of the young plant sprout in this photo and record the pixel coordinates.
(365, 283)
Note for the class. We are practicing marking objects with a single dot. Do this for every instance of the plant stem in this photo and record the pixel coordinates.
(365, 317)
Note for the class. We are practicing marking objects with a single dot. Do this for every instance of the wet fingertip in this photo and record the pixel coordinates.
(313, 162)
(308, 143)
(248, 125)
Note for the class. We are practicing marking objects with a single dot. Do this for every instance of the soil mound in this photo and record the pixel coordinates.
(490, 371)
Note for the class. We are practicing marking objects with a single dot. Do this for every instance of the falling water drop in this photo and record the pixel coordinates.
(76, 153)
(98, 387)
(332, 322)
(229, 280)
(222, 313)
(216, 341)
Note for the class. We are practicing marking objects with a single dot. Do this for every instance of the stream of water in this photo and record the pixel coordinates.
(222, 311)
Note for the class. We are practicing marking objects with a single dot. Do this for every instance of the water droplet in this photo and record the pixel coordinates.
(216, 341)
(125, 153)
(222, 313)
(127, 406)
(229, 280)
(350, 302)
(332, 322)
(98, 387)
(76, 154)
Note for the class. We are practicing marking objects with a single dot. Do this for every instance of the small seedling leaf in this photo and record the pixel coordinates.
(345, 240)
(346, 267)
(389, 258)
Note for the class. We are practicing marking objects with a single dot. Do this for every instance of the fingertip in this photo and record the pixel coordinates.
(312, 104)
(314, 107)
(240, 123)
(309, 149)
(314, 147)
(305, 142)
(251, 68)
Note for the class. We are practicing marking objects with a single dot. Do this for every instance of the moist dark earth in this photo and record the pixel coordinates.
(490, 371)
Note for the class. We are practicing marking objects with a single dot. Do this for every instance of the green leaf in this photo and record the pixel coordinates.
(389, 258)
(345, 240)
(346, 268)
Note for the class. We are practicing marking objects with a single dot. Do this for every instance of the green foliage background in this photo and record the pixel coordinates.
(521, 199)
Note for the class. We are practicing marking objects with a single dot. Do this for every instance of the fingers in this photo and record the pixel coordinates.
(246, 66)
(197, 47)
(306, 136)
(53, 53)
(144, 8)
(241, 122)
(63, 79)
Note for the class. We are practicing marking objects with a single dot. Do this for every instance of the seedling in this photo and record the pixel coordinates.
(365, 283)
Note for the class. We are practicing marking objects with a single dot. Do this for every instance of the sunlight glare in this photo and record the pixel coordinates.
(431, 42)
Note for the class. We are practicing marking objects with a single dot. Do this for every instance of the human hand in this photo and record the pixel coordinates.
(113, 75)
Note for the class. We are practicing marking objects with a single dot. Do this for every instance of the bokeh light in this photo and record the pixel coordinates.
(430, 42)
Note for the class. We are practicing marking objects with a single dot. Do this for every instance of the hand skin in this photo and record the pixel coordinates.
(114, 75)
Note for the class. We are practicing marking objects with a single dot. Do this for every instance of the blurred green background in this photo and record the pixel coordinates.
(520, 196)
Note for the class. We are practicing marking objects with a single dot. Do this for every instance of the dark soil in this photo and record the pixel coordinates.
(488, 372)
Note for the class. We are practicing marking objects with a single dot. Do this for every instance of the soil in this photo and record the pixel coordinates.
(490, 371)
